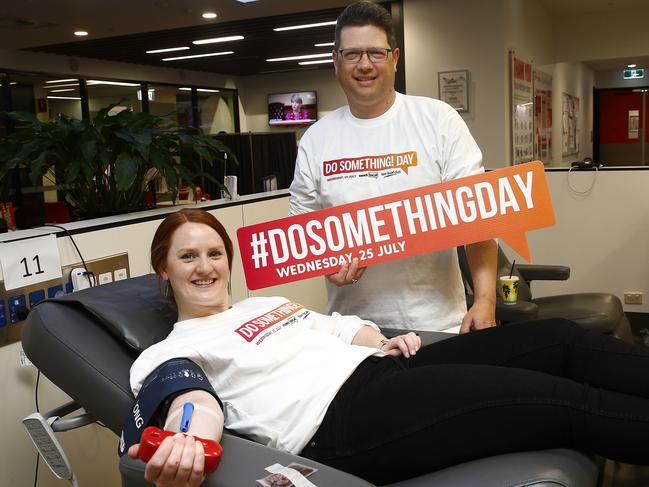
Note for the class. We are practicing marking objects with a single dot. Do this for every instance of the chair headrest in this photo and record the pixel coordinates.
(132, 309)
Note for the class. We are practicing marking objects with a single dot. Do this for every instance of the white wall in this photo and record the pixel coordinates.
(528, 31)
(610, 34)
(443, 35)
(602, 236)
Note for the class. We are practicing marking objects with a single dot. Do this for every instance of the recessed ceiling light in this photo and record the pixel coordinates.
(61, 91)
(209, 15)
(80, 33)
(223, 53)
(217, 39)
(168, 49)
(61, 80)
(319, 61)
(324, 44)
(63, 98)
(304, 26)
(293, 58)
(631, 65)
(246, 1)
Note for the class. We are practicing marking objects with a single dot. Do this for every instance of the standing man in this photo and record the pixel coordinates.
(421, 292)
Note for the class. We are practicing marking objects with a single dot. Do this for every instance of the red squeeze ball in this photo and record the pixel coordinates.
(152, 437)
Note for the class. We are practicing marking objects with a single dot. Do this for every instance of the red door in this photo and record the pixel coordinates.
(621, 127)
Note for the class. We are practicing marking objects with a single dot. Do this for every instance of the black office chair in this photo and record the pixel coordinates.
(596, 311)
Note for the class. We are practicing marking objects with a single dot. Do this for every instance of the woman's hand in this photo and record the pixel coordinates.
(179, 461)
(406, 345)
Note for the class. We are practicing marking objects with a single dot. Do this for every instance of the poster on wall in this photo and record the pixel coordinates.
(570, 125)
(542, 116)
(634, 123)
(522, 110)
(454, 89)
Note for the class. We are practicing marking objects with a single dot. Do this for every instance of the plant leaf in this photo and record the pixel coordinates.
(25, 117)
(126, 167)
(36, 168)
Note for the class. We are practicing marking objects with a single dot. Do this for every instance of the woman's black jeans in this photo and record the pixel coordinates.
(525, 386)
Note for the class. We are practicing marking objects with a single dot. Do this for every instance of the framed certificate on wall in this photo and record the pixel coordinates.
(454, 89)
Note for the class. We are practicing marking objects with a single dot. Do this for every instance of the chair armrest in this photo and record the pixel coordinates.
(521, 311)
(532, 272)
(244, 462)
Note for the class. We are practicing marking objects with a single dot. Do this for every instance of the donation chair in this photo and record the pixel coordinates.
(86, 342)
(595, 311)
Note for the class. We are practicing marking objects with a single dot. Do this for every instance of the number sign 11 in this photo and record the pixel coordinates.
(30, 261)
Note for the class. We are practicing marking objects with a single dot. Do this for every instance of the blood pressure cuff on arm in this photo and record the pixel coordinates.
(170, 379)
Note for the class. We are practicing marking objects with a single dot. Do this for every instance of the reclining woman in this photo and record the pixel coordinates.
(334, 389)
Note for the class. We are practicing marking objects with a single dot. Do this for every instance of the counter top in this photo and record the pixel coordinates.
(137, 217)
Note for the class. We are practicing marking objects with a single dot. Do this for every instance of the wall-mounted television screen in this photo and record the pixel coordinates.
(296, 108)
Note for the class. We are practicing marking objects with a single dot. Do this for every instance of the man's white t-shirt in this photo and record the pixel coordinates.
(275, 365)
(421, 292)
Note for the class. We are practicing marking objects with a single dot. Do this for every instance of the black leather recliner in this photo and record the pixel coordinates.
(596, 311)
(86, 342)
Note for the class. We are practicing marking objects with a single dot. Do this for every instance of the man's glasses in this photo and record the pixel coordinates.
(374, 54)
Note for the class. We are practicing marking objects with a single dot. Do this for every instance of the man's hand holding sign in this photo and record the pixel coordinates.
(503, 203)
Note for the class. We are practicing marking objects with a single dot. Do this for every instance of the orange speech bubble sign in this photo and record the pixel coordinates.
(503, 203)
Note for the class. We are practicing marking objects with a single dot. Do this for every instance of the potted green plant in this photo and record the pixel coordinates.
(105, 164)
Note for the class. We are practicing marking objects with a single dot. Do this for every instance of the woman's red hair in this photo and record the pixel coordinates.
(162, 238)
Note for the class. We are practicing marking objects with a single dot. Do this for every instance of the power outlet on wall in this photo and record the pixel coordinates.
(633, 298)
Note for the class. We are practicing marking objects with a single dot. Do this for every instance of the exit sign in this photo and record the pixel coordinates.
(634, 73)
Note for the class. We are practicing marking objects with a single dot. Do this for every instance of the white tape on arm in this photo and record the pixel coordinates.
(294, 476)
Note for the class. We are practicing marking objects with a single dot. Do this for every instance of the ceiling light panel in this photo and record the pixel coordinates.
(223, 53)
(209, 15)
(60, 86)
(293, 58)
(61, 80)
(324, 44)
(304, 26)
(168, 49)
(94, 82)
(217, 39)
(319, 61)
(204, 90)
(81, 33)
